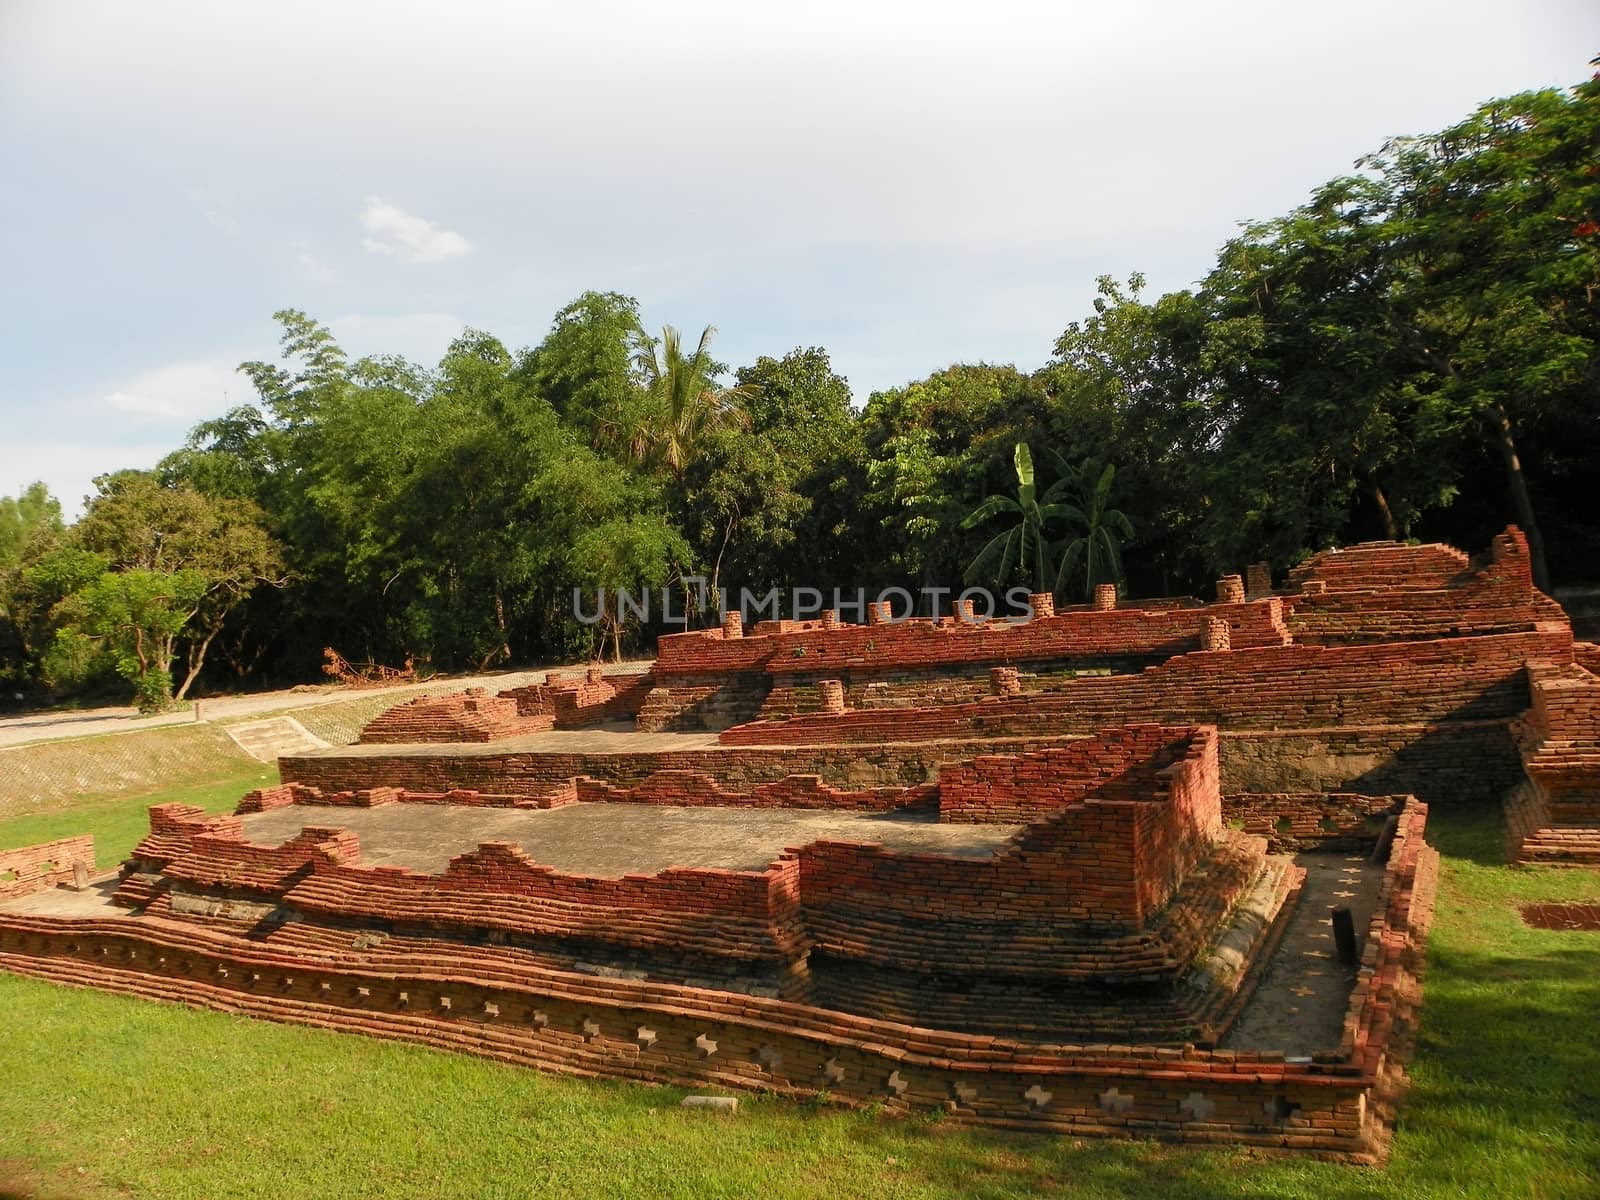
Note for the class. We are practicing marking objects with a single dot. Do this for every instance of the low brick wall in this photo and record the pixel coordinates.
(737, 769)
(924, 644)
(30, 869)
(1417, 683)
(1296, 821)
(1130, 763)
(1554, 817)
(1389, 592)
(469, 716)
(697, 789)
(1452, 763)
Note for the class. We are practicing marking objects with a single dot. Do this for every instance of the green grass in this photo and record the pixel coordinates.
(107, 1096)
(118, 822)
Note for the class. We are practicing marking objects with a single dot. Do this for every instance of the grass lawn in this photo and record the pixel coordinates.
(107, 1096)
(118, 822)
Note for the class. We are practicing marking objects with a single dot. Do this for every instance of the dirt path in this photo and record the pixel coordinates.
(52, 726)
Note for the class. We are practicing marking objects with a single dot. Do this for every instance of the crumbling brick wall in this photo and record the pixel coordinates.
(1278, 687)
(1296, 821)
(693, 789)
(1120, 764)
(30, 869)
(469, 716)
(1555, 815)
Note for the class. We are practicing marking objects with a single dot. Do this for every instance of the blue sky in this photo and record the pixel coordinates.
(907, 185)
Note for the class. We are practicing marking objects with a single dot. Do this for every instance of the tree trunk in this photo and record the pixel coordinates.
(716, 567)
(1517, 483)
(197, 659)
(1390, 529)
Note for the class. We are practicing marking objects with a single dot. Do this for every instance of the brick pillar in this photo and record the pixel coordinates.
(1214, 635)
(830, 618)
(1258, 580)
(878, 612)
(733, 624)
(1230, 590)
(832, 692)
(595, 674)
(1003, 681)
(965, 612)
(1105, 597)
(1042, 603)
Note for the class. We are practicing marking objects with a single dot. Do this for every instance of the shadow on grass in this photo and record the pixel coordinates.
(1509, 1066)
(1473, 831)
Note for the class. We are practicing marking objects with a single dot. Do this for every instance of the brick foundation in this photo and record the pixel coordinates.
(489, 1001)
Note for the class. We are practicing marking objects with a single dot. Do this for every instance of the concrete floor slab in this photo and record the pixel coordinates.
(612, 840)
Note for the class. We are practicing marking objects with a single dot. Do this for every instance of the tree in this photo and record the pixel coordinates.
(685, 406)
(171, 555)
(934, 449)
(806, 470)
(1025, 545)
(624, 554)
(30, 526)
(1438, 302)
(1496, 243)
(606, 529)
(1096, 552)
(1132, 384)
(33, 514)
(137, 616)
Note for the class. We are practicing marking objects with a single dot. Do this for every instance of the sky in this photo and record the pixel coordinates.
(904, 184)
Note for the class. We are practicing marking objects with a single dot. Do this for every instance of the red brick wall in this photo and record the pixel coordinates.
(708, 912)
(1556, 816)
(473, 1000)
(1117, 764)
(1296, 821)
(1388, 592)
(470, 716)
(1088, 860)
(1073, 634)
(173, 828)
(1277, 687)
(534, 774)
(30, 869)
(1384, 566)
(690, 789)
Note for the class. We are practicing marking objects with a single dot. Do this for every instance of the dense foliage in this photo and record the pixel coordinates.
(1412, 354)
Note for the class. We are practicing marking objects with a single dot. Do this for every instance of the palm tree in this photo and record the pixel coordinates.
(685, 404)
(1023, 545)
(1095, 555)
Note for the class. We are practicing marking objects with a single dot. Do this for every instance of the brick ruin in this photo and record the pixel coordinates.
(1050, 866)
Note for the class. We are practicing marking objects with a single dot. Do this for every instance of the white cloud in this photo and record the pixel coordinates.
(396, 232)
(315, 269)
(183, 391)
